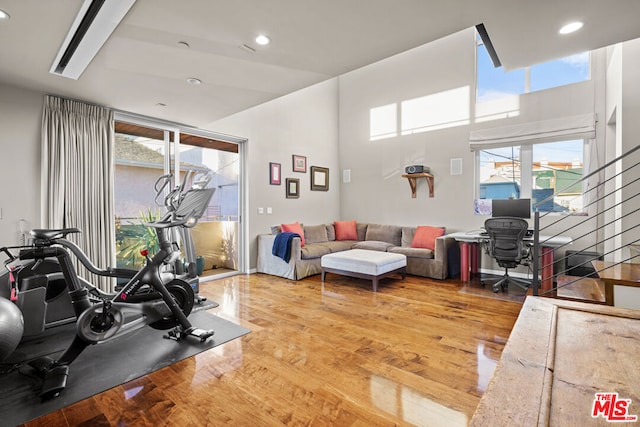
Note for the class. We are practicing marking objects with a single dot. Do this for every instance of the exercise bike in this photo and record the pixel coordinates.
(153, 296)
(186, 270)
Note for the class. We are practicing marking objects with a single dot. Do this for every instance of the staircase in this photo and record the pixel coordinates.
(605, 247)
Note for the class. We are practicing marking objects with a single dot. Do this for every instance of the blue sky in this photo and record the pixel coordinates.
(495, 81)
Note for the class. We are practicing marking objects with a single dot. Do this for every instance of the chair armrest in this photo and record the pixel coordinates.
(271, 264)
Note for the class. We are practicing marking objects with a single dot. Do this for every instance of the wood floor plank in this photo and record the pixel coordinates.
(417, 352)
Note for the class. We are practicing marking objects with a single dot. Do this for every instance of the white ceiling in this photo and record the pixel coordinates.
(142, 63)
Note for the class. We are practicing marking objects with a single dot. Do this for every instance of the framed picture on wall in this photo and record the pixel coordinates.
(274, 173)
(319, 178)
(299, 163)
(293, 188)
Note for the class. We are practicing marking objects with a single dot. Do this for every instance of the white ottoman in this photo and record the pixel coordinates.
(364, 264)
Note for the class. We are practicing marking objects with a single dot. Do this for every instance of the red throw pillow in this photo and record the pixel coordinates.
(293, 228)
(425, 237)
(346, 230)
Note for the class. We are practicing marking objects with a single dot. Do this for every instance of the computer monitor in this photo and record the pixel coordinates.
(519, 208)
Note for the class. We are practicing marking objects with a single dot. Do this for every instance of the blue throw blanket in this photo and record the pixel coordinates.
(282, 245)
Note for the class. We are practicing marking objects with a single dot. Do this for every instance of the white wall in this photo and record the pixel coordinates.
(629, 129)
(20, 121)
(377, 192)
(304, 123)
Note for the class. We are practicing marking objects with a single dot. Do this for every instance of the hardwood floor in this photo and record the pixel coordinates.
(417, 352)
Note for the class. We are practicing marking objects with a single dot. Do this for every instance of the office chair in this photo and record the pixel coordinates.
(506, 245)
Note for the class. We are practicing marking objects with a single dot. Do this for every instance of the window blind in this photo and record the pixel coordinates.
(565, 128)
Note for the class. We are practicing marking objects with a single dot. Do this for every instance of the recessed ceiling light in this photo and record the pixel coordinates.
(4, 15)
(263, 40)
(194, 81)
(183, 44)
(571, 27)
(161, 104)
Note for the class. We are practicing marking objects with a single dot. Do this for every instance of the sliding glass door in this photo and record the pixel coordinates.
(216, 235)
(146, 150)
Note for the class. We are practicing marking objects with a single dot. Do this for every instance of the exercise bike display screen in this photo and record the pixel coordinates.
(194, 203)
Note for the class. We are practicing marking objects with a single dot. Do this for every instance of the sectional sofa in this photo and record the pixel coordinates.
(321, 240)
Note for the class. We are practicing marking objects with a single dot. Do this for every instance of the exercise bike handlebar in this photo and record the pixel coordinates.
(168, 221)
(174, 198)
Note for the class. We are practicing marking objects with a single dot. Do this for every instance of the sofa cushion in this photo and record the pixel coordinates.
(362, 230)
(346, 230)
(315, 234)
(339, 245)
(407, 236)
(373, 245)
(425, 237)
(314, 251)
(277, 229)
(384, 233)
(293, 228)
(412, 252)
(331, 232)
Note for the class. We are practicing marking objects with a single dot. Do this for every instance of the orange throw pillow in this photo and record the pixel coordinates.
(425, 237)
(346, 230)
(293, 228)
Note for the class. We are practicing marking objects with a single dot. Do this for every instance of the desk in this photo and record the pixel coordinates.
(616, 274)
(470, 253)
(559, 354)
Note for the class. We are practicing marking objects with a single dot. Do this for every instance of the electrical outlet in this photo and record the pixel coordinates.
(269, 211)
(260, 211)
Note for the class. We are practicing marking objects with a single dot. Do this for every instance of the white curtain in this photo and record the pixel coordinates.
(565, 128)
(77, 179)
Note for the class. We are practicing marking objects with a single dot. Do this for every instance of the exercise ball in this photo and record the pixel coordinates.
(11, 328)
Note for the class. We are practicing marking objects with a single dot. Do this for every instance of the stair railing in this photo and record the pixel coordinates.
(616, 182)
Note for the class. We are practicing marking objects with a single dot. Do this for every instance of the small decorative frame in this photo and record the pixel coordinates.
(293, 188)
(274, 173)
(319, 178)
(299, 163)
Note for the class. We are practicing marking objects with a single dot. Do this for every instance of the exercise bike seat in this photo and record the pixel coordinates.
(48, 234)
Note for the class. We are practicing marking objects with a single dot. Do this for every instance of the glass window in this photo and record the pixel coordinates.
(494, 83)
(554, 169)
(138, 163)
(560, 72)
(142, 154)
(500, 173)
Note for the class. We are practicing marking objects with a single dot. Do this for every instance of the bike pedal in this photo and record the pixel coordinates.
(41, 364)
(55, 380)
(174, 334)
(201, 334)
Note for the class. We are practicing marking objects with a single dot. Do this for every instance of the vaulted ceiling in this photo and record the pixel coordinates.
(143, 64)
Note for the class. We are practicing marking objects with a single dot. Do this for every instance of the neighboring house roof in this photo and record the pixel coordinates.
(127, 151)
(496, 179)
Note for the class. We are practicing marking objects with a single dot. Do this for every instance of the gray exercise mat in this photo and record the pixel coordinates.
(100, 367)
